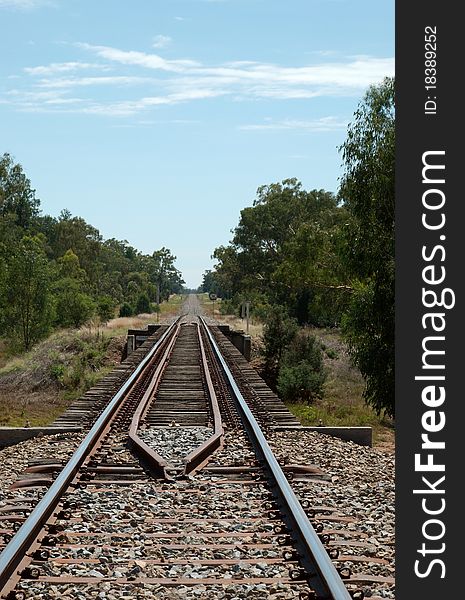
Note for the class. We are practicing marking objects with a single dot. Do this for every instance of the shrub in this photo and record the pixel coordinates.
(331, 353)
(73, 308)
(227, 307)
(57, 371)
(143, 304)
(105, 308)
(278, 332)
(301, 372)
(126, 310)
(300, 382)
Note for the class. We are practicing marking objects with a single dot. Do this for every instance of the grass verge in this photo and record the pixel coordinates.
(343, 403)
(37, 386)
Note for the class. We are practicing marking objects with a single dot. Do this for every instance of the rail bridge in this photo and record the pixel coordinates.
(175, 491)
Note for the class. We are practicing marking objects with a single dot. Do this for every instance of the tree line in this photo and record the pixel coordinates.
(60, 272)
(327, 259)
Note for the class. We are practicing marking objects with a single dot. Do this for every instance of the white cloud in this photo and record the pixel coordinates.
(315, 125)
(132, 107)
(161, 41)
(89, 81)
(140, 59)
(45, 101)
(24, 4)
(64, 67)
(356, 73)
(324, 53)
(57, 101)
(167, 122)
(171, 81)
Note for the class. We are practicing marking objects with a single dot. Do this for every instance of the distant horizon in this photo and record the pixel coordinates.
(157, 125)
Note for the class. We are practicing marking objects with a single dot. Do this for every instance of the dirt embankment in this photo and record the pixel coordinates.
(37, 386)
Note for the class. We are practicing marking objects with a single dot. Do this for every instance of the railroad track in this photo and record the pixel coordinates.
(174, 493)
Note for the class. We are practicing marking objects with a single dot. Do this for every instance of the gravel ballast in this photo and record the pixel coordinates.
(358, 484)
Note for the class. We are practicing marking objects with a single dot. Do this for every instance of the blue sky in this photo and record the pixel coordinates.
(156, 120)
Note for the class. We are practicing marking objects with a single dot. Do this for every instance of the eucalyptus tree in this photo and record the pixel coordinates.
(367, 191)
(28, 309)
(17, 197)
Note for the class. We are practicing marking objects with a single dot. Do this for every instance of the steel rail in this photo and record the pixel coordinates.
(322, 574)
(14, 552)
(200, 456)
(156, 463)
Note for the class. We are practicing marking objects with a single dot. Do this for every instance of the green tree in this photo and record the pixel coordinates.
(229, 273)
(285, 247)
(27, 311)
(312, 272)
(164, 275)
(143, 304)
(367, 191)
(278, 332)
(69, 266)
(73, 307)
(105, 308)
(85, 241)
(265, 228)
(16, 195)
(211, 284)
(84, 273)
(126, 310)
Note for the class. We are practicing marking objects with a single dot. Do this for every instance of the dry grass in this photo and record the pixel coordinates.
(120, 325)
(173, 307)
(343, 403)
(236, 323)
(24, 409)
(37, 386)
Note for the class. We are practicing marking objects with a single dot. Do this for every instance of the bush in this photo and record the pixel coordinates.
(57, 371)
(331, 353)
(143, 304)
(105, 308)
(77, 370)
(300, 382)
(278, 332)
(126, 310)
(302, 373)
(227, 307)
(260, 310)
(73, 309)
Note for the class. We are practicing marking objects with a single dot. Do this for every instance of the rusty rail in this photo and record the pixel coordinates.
(200, 456)
(152, 459)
